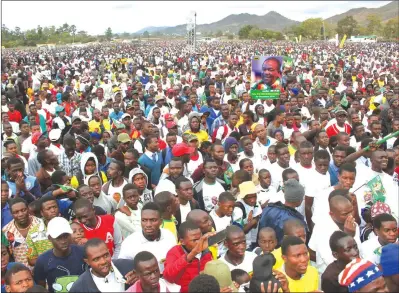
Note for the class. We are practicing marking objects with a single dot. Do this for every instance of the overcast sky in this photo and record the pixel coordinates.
(131, 16)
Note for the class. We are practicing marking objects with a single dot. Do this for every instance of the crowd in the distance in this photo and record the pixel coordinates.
(148, 168)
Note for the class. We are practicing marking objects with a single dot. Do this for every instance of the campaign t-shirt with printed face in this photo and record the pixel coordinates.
(60, 273)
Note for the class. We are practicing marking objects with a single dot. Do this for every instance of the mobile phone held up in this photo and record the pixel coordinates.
(217, 238)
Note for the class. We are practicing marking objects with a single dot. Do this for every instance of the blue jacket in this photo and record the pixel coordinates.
(31, 184)
(275, 215)
(155, 167)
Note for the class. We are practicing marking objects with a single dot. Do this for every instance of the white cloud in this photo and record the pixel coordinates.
(121, 16)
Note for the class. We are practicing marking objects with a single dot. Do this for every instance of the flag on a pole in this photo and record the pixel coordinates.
(344, 101)
(377, 189)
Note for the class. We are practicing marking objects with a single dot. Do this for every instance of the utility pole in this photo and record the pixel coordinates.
(195, 31)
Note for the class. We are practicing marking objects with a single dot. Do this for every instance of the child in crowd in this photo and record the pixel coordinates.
(240, 279)
(267, 241)
(78, 234)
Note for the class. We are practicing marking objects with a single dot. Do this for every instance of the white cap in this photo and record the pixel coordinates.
(58, 226)
(125, 115)
(55, 134)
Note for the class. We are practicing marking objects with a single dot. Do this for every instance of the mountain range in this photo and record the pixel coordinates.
(275, 21)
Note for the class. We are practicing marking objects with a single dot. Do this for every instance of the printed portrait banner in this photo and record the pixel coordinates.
(266, 77)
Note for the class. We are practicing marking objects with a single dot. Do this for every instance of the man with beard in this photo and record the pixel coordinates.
(63, 264)
(175, 170)
(150, 238)
(105, 275)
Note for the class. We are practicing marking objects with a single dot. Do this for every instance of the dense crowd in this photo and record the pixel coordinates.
(149, 168)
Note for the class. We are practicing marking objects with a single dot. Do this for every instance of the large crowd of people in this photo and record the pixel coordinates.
(151, 168)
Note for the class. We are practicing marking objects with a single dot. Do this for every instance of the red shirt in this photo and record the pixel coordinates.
(179, 271)
(104, 231)
(14, 116)
(332, 130)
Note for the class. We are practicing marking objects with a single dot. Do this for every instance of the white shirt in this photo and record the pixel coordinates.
(136, 243)
(260, 151)
(320, 242)
(276, 173)
(56, 150)
(221, 223)
(246, 264)
(108, 204)
(265, 194)
(369, 250)
(129, 224)
(116, 192)
(113, 282)
(165, 185)
(184, 210)
(225, 129)
(211, 194)
(193, 165)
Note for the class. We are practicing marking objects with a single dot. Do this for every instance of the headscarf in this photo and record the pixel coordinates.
(229, 142)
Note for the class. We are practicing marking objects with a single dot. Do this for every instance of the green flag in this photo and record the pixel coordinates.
(288, 62)
(377, 189)
(344, 101)
(66, 188)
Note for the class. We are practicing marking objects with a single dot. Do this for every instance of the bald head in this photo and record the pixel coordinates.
(195, 215)
(232, 231)
(201, 219)
(338, 201)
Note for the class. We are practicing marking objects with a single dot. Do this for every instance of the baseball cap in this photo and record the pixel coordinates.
(221, 272)
(58, 226)
(75, 119)
(125, 115)
(55, 134)
(124, 138)
(181, 149)
(35, 137)
(168, 116)
(192, 137)
(170, 124)
(247, 187)
(59, 109)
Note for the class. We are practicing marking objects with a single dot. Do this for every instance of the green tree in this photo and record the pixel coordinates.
(255, 33)
(374, 24)
(230, 37)
(146, 34)
(347, 26)
(243, 33)
(311, 28)
(108, 34)
(219, 33)
(391, 29)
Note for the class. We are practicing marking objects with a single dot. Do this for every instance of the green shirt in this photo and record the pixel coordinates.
(37, 241)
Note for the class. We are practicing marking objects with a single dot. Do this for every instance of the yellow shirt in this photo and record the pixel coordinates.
(292, 150)
(240, 121)
(75, 182)
(202, 135)
(94, 126)
(309, 282)
(372, 107)
(170, 225)
(279, 259)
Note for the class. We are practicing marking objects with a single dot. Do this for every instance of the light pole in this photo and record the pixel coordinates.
(195, 32)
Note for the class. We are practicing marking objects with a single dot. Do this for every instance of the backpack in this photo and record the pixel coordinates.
(225, 130)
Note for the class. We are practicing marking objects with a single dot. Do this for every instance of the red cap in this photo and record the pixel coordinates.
(168, 116)
(181, 149)
(170, 124)
(359, 76)
(170, 91)
(35, 137)
(307, 81)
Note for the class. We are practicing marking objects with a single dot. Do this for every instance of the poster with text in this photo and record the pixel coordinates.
(266, 77)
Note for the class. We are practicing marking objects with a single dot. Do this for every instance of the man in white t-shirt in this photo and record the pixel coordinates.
(150, 238)
(236, 256)
(282, 163)
(386, 228)
(340, 218)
